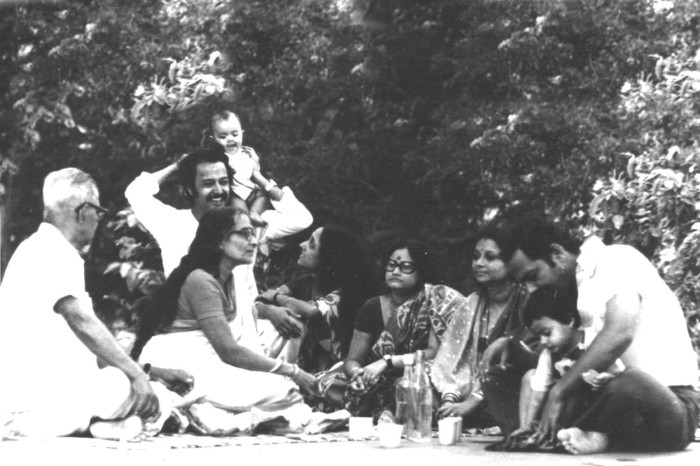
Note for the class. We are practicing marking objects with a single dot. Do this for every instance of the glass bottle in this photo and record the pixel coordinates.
(403, 389)
(422, 398)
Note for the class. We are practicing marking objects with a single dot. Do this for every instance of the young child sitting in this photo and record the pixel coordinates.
(552, 315)
(248, 183)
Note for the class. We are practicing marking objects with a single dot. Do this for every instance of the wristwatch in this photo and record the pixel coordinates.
(387, 360)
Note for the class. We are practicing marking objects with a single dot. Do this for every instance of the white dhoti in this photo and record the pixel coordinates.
(60, 408)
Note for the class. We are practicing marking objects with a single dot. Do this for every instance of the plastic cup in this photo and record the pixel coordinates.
(360, 428)
(448, 430)
(389, 434)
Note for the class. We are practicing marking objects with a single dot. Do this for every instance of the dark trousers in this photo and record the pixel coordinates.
(634, 410)
(638, 413)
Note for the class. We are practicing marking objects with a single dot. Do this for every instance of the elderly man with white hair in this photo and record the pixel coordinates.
(51, 340)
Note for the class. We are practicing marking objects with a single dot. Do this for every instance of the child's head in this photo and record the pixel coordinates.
(226, 130)
(552, 315)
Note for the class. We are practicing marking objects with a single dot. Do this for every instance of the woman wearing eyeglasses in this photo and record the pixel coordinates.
(316, 311)
(411, 315)
(491, 312)
(193, 324)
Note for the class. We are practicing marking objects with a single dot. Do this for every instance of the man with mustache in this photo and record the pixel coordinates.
(205, 176)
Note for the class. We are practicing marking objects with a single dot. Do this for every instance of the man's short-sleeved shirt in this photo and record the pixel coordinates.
(37, 345)
(661, 346)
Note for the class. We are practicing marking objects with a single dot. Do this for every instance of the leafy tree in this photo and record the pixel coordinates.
(381, 114)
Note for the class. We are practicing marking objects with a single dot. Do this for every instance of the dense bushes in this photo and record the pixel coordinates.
(427, 116)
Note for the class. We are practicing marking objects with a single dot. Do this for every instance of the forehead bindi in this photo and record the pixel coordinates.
(401, 255)
(487, 248)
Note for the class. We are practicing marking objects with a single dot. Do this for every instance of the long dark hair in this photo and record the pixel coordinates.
(344, 264)
(204, 253)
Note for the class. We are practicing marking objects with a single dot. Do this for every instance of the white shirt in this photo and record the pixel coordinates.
(40, 352)
(661, 345)
(174, 229)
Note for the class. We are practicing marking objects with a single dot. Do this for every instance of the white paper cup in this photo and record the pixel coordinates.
(448, 430)
(458, 429)
(360, 428)
(389, 434)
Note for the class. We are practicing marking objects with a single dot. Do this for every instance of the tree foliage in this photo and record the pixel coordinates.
(380, 114)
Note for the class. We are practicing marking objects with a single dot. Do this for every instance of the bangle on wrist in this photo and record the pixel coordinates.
(450, 398)
(274, 298)
(478, 395)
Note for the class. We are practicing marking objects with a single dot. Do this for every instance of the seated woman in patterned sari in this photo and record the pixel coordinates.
(490, 313)
(314, 313)
(411, 315)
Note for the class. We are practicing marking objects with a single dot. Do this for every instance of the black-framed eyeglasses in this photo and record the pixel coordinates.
(100, 211)
(404, 267)
(247, 233)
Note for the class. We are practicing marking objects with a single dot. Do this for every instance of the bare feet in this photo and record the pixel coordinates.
(578, 442)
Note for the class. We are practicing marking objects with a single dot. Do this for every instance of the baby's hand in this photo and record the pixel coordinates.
(275, 194)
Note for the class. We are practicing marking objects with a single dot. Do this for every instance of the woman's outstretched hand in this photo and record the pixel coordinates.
(307, 382)
(371, 372)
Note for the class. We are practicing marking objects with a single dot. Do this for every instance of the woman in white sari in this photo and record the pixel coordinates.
(193, 324)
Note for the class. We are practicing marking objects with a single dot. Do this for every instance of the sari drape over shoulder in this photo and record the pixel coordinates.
(455, 369)
(408, 329)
